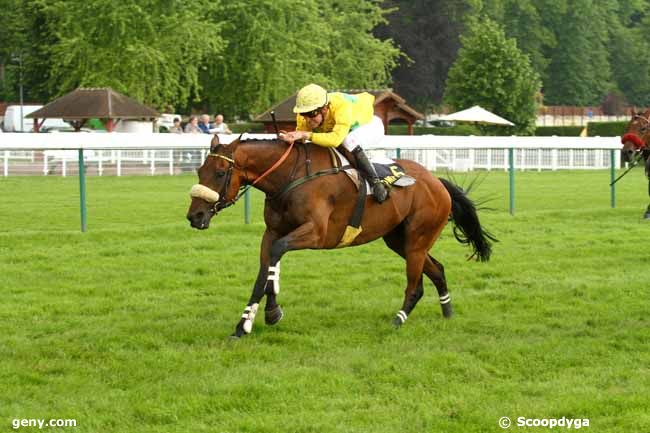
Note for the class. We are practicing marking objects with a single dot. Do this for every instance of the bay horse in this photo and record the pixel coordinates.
(308, 204)
(636, 144)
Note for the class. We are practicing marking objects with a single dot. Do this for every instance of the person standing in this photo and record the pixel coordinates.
(176, 127)
(204, 124)
(219, 126)
(192, 126)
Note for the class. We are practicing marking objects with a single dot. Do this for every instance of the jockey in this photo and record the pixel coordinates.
(332, 119)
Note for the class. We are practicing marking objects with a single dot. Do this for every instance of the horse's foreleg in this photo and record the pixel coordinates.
(647, 211)
(268, 279)
(245, 325)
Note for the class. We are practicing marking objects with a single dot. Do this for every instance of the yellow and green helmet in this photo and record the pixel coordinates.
(310, 98)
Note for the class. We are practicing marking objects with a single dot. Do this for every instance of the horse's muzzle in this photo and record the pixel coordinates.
(199, 219)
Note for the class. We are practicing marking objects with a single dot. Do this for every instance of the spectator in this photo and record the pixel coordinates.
(219, 127)
(192, 126)
(204, 124)
(176, 128)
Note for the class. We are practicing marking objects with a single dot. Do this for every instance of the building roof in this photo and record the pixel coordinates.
(284, 110)
(88, 103)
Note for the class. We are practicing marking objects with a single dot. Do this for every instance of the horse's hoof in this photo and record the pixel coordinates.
(397, 323)
(271, 317)
(646, 216)
(447, 311)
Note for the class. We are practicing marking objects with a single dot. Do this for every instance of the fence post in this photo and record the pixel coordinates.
(82, 189)
(247, 207)
(511, 164)
(612, 176)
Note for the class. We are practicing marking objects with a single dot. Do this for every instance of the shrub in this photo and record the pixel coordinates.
(606, 129)
(560, 131)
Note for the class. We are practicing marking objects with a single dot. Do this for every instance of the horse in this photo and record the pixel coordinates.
(636, 144)
(308, 204)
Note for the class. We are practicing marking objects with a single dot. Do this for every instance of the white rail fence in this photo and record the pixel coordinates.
(155, 154)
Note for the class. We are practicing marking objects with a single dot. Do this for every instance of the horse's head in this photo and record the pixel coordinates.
(637, 135)
(218, 187)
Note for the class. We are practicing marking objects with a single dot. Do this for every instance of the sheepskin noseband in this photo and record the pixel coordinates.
(205, 193)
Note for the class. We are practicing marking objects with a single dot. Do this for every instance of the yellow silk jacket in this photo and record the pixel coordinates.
(346, 112)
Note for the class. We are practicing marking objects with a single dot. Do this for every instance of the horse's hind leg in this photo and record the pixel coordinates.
(414, 264)
(436, 273)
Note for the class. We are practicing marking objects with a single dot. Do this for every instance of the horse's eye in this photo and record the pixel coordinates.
(220, 173)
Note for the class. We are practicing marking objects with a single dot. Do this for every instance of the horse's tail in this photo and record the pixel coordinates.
(467, 227)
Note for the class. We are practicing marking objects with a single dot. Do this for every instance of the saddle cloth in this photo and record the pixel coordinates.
(390, 173)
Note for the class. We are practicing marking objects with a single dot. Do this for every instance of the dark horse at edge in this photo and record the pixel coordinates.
(636, 144)
(315, 213)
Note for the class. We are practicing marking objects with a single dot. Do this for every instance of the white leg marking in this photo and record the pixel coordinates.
(249, 314)
(274, 276)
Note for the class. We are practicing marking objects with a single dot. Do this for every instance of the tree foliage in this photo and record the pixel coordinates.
(273, 47)
(492, 72)
(428, 32)
(150, 50)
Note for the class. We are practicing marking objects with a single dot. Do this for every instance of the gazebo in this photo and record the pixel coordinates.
(389, 106)
(82, 104)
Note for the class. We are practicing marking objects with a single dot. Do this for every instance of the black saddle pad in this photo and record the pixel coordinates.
(389, 173)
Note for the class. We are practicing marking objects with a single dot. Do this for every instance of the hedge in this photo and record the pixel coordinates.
(560, 131)
(424, 130)
(606, 129)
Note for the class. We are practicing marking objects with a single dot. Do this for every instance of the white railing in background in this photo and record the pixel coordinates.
(132, 153)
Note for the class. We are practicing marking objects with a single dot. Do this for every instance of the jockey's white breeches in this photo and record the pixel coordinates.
(365, 135)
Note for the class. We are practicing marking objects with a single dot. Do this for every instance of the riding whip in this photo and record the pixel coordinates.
(636, 161)
(275, 123)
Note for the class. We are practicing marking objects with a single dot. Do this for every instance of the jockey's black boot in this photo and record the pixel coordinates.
(365, 166)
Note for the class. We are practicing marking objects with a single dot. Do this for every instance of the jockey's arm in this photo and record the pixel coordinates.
(342, 121)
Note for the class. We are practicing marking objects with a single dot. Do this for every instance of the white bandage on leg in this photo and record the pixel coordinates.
(445, 299)
(274, 276)
(402, 315)
(205, 193)
(249, 314)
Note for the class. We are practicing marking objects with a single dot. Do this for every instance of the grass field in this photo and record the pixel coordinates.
(125, 328)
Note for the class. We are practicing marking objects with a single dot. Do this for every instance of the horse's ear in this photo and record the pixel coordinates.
(214, 143)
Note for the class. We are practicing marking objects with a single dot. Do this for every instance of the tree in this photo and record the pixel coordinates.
(580, 73)
(273, 47)
(151, 50)
(492, 72)
(628, 48)
(427, 31)
(523, 20)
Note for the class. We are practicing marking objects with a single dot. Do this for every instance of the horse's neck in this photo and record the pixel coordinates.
(261, 156)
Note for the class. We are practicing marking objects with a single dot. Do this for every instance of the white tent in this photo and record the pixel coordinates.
(477, 114)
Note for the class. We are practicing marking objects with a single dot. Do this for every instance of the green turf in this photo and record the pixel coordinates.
(124, 328)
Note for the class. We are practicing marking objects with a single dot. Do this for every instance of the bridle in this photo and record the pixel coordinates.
(639, 144)
(222, 202)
